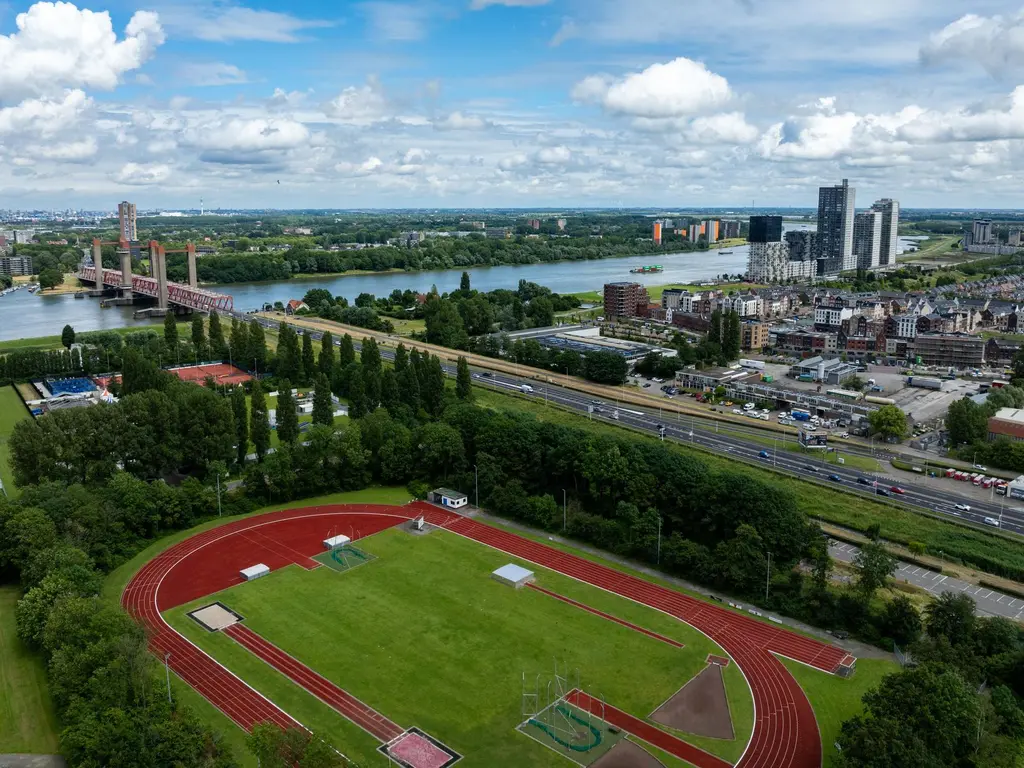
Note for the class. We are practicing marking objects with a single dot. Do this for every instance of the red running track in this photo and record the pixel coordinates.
(341, 701)
(785, 730)
(644, 730)
(785, 733)
(209, 562)
(608, 616)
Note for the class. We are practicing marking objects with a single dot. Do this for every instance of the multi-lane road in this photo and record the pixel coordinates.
(704, 433)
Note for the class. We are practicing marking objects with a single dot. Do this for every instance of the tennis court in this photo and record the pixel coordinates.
(222, 373)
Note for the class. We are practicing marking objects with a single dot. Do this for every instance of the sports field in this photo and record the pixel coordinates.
(423, 635)
(12, 410)
(27, 721)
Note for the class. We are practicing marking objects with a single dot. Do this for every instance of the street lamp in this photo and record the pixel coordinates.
(476, 486)
(659, 539)
(768, 578)
(564, 506)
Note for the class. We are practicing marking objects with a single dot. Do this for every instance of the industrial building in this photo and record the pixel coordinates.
(1007, 423)
(832, 371)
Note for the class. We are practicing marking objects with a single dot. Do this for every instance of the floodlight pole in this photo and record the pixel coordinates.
(476, 485)
(167, 672)
(563, 509)
(218, 495)
(768, 578)
(659, 539)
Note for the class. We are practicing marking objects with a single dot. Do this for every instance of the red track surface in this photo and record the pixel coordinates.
(785, 732)
(603, 615)
(342, 701)
(646, 731)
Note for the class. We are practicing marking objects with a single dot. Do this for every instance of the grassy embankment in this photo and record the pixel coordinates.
(53, 342)
(27, 720)
(12, 410)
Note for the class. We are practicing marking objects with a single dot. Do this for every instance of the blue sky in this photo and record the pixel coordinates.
(509, 102)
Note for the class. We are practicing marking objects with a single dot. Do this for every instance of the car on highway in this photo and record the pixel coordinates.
(881, 492)
(835, 478)
(963, 507)
(487, 375)
(980, 468)
(863, 481)
(764, 455)
(810, 468)
(991, 521)
(896, 489)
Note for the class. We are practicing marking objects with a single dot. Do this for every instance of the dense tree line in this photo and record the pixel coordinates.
(431, 254)
(958, 704)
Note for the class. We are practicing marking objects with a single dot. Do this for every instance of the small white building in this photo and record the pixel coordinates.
(513, 575)
(336, 541)
(449, 498)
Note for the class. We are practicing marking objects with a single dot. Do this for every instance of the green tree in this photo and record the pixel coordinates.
(308, 358)
(199, 337)
(874, 566)
(217, 345)
(50, 278)
(440, 451)
(401, 359)
(1017, 364)
(287, 413)
(170, 330)
(257, 346)
(463, 380)
(323, 407)
(967, 422)
(731, 335)
(464, 283)
(241, 414)
(369, 356)
(432, 388)
(326, 361)
(346, 352)
(289, 356)
(742, 560)
(889, 421)
(901, 621)
(67, 336)
(951, 615)
(605, 368)
(240, 344)
(444, 325)
(357, 407)
(541, 312)
(274, 747)
(259, 421)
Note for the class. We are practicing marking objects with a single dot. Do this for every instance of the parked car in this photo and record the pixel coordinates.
(963, 507)
(647, 385)
(981, 468)
(737, 411)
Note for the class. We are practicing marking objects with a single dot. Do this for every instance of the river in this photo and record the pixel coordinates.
(25, 315)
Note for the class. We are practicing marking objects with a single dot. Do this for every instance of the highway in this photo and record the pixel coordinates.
(702, 433)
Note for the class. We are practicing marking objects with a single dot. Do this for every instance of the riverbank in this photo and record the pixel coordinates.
(70, 285)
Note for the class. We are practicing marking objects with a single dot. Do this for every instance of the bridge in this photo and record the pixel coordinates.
(189, 295)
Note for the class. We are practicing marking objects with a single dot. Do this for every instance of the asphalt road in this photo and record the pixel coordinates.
(989, 602)
(685, 429)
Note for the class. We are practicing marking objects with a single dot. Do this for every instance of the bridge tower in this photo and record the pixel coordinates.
(158, 268)
(124, 253)
(190, 250)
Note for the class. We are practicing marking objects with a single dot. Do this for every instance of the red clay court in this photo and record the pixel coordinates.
(222, 373)
(785, 733)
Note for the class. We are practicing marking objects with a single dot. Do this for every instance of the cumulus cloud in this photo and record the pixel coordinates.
(677, 88)
(239, 141)
(457, 121)
(58, 46)
(224, 23)
(397, 21)
(68, 152)
(994, 42)
(44, 117)
(370, 165)
(141, 174)
(559, 155)
(359, 105)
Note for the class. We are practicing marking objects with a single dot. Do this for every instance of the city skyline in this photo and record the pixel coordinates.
(508, 103)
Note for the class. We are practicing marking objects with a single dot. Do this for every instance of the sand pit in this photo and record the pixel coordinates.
(626, 754)
(699, 707)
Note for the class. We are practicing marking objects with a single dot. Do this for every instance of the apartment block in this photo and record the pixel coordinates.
(625, 299)
(951, 349)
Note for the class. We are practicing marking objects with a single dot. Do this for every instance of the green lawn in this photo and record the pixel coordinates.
(836, 700)
(424, 635)
(12, 410)
(27, 722)
(53, 342)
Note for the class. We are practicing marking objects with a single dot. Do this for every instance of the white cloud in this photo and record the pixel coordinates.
(137, 173)
(211, 73)
(479, 5)
(57, 46)
(368, 166)
(69, 152)
(224, 23)
(44, 117)
(457, 121)
(282, 99)
(253, 135)
(397, 21)
(415, 156)
(359, 105)
(725, 128)
(559, 155)
(674, 89)
(995, 42)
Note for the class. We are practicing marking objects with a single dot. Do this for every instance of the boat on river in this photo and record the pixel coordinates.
(651, 270)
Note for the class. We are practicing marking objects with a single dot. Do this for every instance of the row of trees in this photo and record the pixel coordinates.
(967, 423)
